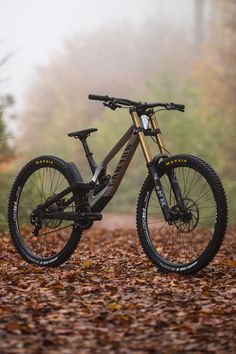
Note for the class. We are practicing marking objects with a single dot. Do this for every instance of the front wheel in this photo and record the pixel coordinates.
(191, 240)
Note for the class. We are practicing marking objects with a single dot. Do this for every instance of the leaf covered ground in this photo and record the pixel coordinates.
(109, 299)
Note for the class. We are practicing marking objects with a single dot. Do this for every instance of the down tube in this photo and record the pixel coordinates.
(105, 196)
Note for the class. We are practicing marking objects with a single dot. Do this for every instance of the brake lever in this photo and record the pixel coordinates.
(111, 105)
(171, 106)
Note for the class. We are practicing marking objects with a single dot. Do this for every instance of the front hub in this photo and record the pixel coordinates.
(185, 215)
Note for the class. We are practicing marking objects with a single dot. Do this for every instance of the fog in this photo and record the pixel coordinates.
(35, 30)
(154, 50)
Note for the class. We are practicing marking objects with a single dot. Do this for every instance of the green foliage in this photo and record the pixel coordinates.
(3, 145)
(6, 180)
(6, 101)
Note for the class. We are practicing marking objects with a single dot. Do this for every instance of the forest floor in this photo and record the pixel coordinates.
(109, 299)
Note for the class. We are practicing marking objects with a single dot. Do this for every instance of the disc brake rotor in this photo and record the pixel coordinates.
(188, 216)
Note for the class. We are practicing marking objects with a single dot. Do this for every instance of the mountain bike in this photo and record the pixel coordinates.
(181, 209)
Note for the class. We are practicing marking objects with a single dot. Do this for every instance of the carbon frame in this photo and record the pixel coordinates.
(99, 201)
(133, 136)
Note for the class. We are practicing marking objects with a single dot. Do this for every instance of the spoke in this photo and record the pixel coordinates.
(206, 224)
(41, 182)
(160, 230)
(155, 222)
(204, 201)
(191, 182)
(203, 196)
(154, 206)
(33, 184)
(56, 230)
(186, 180)
(43, 185)
(63, 180)
(183, 177)
(189, 243)
(155, 199)
(190, 190)
(58, 179)
(51, 181)
(172, 243)
(201, 191)
(154, 213)
(167, 185)
(171, 193)
(38, 187)
(29, 197)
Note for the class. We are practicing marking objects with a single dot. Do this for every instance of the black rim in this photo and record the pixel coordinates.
(53, 236)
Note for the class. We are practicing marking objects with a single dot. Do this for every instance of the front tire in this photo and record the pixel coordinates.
(184, 246)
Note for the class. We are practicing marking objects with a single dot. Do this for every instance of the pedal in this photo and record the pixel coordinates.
(90, 216)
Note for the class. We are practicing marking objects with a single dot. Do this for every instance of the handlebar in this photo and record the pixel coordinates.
(99, 98)
(113, 103)
(179, 106)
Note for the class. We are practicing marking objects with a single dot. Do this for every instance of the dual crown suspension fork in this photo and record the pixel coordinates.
(150, 162)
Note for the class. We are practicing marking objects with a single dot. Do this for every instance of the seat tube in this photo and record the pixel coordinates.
(142, 138)
(159, 137)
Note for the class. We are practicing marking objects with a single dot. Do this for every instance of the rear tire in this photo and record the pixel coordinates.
(25, 191)
(194, 233)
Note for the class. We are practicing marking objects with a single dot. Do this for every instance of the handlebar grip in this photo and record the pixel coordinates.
(179, 106)
(99, 98)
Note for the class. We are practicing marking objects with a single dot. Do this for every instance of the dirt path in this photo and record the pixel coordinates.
(111, 221)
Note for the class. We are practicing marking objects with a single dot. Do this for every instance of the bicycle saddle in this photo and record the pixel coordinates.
(82, 134)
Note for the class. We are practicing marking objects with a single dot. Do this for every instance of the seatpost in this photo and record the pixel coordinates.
(89, 155)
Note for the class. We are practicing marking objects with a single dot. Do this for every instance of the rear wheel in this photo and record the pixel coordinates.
(55, 240)
(192, 239)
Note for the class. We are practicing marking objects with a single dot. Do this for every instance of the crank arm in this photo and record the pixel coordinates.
(72, 216)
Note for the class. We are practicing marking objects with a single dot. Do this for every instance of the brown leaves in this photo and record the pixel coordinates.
(230, 263)
(109, 299)
(113, 306)
(87, 264)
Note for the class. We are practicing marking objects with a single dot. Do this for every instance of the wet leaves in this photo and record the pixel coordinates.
(109, 299)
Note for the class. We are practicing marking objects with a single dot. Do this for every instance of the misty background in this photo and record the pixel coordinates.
(54, 53)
